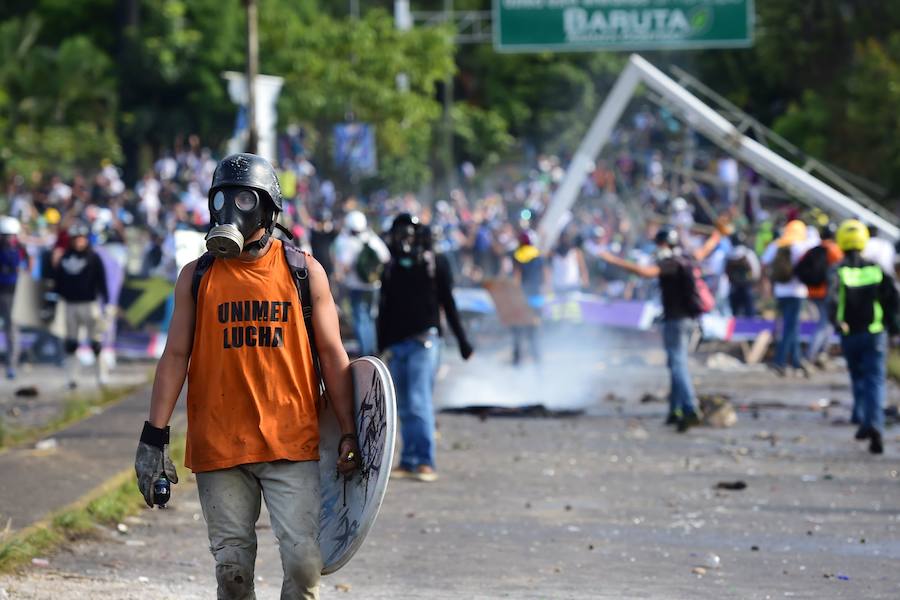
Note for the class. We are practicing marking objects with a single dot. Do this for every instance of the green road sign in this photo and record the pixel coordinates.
(577, 25)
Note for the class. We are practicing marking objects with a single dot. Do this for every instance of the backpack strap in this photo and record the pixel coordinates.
(296, 260)
(203, 265)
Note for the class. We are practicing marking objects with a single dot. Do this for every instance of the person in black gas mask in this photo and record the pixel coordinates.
(238, 210)
(415, 286)
(255, 332)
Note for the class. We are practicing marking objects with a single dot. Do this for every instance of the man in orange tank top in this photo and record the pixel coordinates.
(252, 398)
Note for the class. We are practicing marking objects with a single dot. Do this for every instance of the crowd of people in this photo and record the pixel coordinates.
(655, 186)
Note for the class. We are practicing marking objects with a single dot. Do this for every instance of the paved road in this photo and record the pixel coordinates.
(606, 505)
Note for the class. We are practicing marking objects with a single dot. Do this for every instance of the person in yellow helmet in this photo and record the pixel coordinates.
(863, 305)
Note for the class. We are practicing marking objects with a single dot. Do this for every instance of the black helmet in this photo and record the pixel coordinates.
(247, 170)
(667, 236)
(403, 220)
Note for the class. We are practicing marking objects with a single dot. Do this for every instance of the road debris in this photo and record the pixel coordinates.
(734, 486)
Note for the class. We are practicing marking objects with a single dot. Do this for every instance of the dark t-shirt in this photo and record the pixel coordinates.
(81, 277)
(532, 273)
(412, 298)
(672, 284)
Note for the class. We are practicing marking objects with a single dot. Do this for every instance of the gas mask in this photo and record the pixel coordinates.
(237, 213)
(404, 246)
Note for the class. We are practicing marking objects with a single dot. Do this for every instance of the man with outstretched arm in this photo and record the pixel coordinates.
(239, 336)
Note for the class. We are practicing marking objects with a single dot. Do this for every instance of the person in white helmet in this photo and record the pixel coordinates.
(12, 259)
(359, 258)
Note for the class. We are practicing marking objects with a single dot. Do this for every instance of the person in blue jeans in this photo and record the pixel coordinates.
(864, 304)
(415, 287)
(531, 273)
(359, 258)
(676, 287)
(781, 256)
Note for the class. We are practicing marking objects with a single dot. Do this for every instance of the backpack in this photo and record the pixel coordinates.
(296, 260)
(368, 265)
(812, 270)
(699, 299)
(738, 269)
(782, 268)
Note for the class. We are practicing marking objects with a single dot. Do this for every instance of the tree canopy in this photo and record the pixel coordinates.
(120, 79)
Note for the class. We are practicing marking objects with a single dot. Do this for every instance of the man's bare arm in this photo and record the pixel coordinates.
(332, 356)
(172, 367)
(647, 271)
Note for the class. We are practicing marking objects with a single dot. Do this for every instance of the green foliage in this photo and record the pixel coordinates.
(825, 74)
(547, 99)
(120, 79)
(805, 122)
(58, 103)
(335, 69)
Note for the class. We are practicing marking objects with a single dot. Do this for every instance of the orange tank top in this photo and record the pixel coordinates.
(251, 383)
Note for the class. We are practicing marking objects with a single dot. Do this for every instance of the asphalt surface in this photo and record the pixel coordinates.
(608, 504)
(43, 477)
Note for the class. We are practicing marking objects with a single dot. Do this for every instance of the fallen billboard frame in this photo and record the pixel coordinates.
(712, 125)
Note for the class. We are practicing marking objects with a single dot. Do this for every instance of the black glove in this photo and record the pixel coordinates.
(152, 460)
(465, 349)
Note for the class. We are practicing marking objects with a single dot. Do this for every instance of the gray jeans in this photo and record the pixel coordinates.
(82, 314)
(231, 503)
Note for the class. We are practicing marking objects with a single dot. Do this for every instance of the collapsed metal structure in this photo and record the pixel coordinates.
(718, 129)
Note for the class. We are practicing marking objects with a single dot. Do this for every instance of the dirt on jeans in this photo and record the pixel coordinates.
(609, 504)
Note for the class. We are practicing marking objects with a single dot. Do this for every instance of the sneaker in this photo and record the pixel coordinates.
(875, 444)
(672, 418)
(779, 370)
(401, 473)
(691, 419)
(863, 433)
(806, 368)
(424, 473)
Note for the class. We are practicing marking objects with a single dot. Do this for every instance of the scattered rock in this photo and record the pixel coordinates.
(122, 528)
(47, 444)
(724, 362)
(143, 579)
(342, 587)
(29, 391)
(717, 411)
(734, 486)
(651, 398)
(135, 543)
(40, 562)
(711, 561)
(3, 594)
(754, 548)
(698, 571)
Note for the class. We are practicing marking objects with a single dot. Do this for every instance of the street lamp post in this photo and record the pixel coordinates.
(252, 71)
